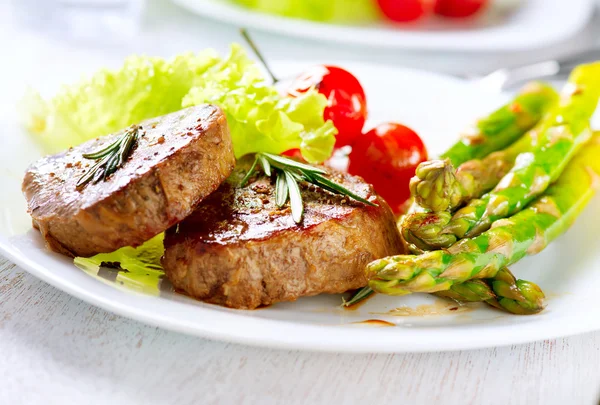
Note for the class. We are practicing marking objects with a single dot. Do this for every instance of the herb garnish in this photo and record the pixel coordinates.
(289, 172)
(110, 158)
(265, 65)
(358, 296)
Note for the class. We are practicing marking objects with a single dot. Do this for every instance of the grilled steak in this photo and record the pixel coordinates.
(180, 159)
(239, 250)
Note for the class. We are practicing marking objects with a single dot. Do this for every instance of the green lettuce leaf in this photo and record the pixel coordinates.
(317, 10)
(260, 119)
(110, 100)
(138, 268)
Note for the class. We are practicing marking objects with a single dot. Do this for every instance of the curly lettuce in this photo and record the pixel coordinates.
(142, 88)
(317, 10)
(260, 119)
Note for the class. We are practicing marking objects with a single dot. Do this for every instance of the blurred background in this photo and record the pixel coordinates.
(46, 42)
(460, 37)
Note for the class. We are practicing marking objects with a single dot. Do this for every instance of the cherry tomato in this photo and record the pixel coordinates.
(294, 153)
(404, 10)
(346, 100)
(387, 157)
(458, 8)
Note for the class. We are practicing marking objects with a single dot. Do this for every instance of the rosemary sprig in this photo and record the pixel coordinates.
(358, 296)
(111, 158)
(258, 54)
(289, 172)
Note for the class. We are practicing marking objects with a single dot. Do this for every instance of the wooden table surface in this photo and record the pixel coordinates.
(56, 349)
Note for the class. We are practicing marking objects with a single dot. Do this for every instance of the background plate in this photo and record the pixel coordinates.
(535, 24)
(437, 107)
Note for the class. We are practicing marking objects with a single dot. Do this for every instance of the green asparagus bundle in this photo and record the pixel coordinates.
(509, 240)
(435, 187)
(486, 171)
(561, 136)
(504, 292)
(494, 132)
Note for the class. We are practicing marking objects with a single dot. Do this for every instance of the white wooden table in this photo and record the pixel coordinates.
(55, 349)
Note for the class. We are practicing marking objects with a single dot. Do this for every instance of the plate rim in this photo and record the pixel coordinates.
(422, 340)
(391, 340)
(365, 36)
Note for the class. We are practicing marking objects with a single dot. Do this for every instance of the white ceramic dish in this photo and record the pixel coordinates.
(437, 107)
(535, 24)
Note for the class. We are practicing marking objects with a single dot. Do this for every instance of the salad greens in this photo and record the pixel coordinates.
(260, 119)
(317, 10)
(137, 268)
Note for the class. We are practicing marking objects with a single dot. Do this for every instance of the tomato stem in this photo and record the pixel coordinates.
(258, 54)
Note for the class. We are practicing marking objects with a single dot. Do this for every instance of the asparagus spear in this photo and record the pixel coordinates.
(526, 233)
(434, 185)
(503, 126)
(438, 187)
(562, 134)
(485, 173)
(503, 291)
(499, 129)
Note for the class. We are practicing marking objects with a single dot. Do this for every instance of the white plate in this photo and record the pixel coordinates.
(535, 24)
(437, 107)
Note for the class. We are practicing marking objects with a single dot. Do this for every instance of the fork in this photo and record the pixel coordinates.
(556, 69)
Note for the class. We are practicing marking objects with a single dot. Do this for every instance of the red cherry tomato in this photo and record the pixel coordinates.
(404, 10)
(294, 153)
(458, 8)
(346, 100)
(387, 157)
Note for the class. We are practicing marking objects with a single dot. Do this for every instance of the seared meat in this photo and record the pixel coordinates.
(181, 158)
(239, 250)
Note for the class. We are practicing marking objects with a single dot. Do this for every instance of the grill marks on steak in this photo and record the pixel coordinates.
(239, 250)
(182, 158)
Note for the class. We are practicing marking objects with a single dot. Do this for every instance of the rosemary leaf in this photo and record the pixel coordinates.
(102, 152)
(289, 174)
(88, 176)
(110, 158)
(284, 163)
(358, 296)
(109, 166)
(266, 165)
(336, 188)
(297, 176)
(281, 190)
(250, 173)
(296, 203)
(127, 146)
